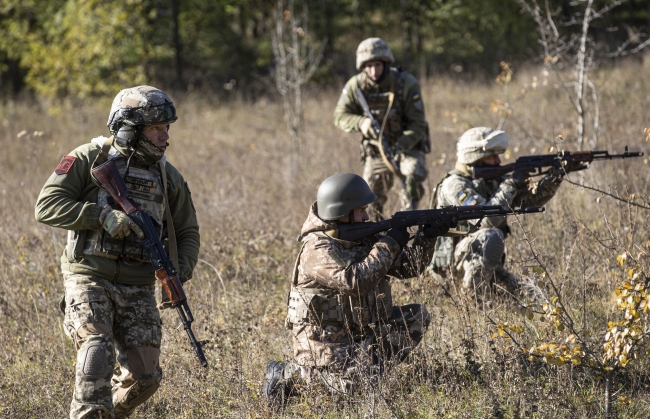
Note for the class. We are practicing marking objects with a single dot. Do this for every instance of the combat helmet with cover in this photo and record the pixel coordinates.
(373, 49)
(480, 142)
(339, 194)
(136, 107)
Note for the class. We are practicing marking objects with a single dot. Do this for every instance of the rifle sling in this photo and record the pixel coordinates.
(171, 233)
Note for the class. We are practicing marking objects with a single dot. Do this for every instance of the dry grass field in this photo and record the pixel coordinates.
(252, 189)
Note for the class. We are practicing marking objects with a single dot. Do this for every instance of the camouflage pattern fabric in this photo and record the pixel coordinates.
(361, 358)
(356, 270)
(406, 129)
(103, 318)
(477, 260)
(149, 106)
(380, 179)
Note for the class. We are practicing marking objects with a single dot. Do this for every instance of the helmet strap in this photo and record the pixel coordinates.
(351, 216)
(128, 163)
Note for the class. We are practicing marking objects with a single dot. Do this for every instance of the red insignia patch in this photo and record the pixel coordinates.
(65, 165)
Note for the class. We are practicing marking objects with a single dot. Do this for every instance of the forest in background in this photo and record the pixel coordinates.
(89, 48)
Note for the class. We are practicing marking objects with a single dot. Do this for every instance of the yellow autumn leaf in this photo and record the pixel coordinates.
(621, 259)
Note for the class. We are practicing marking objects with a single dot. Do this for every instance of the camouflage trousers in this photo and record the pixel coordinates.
(477, 263)
(102, 319)
(412, 165)
(362, 358)
(477, 256)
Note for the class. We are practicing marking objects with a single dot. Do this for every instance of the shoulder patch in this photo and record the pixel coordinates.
(464, 197)
(65, 165)
(416, 96)
(470, 201)
(345, 91)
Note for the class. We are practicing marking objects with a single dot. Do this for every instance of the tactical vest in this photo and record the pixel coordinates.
(379, 102)
(146, 190)
(328, 307)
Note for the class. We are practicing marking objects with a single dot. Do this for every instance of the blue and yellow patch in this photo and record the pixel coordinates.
(416, 97)
(345, 91)
(464, 198)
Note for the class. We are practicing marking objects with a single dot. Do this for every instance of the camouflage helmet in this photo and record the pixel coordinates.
(373, 49)
(141, 105)
(341, 193)
(476, 143)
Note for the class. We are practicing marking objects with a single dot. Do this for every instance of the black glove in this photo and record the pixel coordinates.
(440, 224)
(520, 178)
(400, 235)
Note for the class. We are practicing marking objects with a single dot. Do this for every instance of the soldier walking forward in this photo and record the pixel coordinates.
(340, 309)
(109, 303)
(395, 100)
(477, 259)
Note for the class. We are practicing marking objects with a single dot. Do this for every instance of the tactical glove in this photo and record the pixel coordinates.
(400, 235)
(365, 126)
(520, 178)
(118, 224)
(440, 225)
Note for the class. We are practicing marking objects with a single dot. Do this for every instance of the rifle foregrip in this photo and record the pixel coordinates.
(172, 286)
(107, 175)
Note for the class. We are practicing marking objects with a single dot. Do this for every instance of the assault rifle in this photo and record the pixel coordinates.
(357, 231)
(109, 178)
(569, 161)
(387, 152)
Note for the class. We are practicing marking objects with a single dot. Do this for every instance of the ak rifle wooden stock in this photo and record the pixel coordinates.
(571, 161)
(357, 231)
(109, 178)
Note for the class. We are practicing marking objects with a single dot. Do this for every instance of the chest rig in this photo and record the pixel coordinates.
(327, 307)
(145, 188)
(378, 97)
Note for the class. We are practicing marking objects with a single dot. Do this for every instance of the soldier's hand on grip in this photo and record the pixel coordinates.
(365, 125)
(118, 224)
(520, 177)
(439, 226)
(400, 235)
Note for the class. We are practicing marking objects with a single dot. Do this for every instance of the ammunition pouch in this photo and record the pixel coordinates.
(326, 307)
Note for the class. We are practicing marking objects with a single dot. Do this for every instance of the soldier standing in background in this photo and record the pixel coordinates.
(477, 259)
(340, 309)
(109, 302)
(395, 100)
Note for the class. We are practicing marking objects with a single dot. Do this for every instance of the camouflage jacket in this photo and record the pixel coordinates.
(349, 271)
(409, 107)
(458, 188)
(69, 198)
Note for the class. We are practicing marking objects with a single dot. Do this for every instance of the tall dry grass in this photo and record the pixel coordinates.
(252, 189)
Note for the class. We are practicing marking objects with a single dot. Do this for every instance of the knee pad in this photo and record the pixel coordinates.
(95, 358)
(493, 248)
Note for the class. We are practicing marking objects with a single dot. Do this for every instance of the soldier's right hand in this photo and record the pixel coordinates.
(118, 224)
(365, 126)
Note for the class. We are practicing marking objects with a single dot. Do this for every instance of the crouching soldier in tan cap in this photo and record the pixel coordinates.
(477, 259)
(395, 100)
(340, 309)
(109, 302)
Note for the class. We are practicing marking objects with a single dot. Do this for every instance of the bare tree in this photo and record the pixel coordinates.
(576, 49)
(296, 59)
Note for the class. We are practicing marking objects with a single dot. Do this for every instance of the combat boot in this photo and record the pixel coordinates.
(276, 388)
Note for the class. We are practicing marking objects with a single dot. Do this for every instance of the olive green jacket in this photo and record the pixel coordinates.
(348, 112)
(69, 201)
